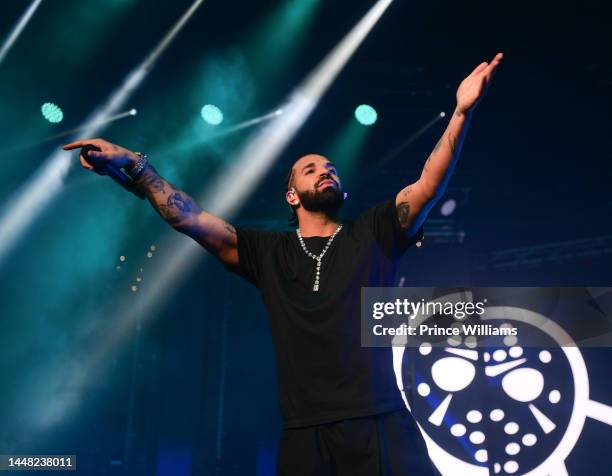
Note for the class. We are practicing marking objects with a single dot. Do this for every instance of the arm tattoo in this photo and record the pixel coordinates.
(438, 144)
(180, 201)
(403, 210)
(153, 182)
(173, 205)
(435, 149)
(168, 214)
(150, 181)
(452, 142)
(178, 207)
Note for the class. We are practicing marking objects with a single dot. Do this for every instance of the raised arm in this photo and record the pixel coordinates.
(416, 200)
(177, 208)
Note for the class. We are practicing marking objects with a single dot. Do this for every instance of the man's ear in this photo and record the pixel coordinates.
(293, 197)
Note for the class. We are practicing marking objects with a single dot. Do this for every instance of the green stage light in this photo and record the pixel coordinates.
(212, 114)
(346, 149)
(52, 112)
(366, 115)
(283, 31)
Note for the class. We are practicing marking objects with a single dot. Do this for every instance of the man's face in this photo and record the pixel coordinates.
(317, 185)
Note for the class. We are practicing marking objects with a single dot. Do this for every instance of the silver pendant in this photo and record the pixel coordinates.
(318, 259)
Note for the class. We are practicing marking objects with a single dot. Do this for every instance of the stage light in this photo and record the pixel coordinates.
(282, 32)
(448, 207)
(366, 115)
(52, 112)
(212, 115)
(346, 148)
(187, 146)
(248, 123)
(133, 112)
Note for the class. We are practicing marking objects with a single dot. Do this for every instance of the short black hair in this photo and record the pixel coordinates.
(293, 219)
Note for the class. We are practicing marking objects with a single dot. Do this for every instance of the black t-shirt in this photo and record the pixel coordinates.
(324, 374)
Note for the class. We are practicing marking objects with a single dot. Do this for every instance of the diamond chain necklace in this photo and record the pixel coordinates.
(318, 258)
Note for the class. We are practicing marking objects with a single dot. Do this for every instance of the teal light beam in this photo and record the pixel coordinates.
(23, 21)
(187, 146)
(116, 117)
(400, 148)
(346, 149)
(280, 34)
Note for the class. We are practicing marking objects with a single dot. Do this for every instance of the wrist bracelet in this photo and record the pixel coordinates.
(139, 166)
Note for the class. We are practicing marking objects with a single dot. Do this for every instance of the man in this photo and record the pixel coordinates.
(343, 413)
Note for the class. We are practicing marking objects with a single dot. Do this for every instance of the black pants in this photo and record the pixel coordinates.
(382, 445)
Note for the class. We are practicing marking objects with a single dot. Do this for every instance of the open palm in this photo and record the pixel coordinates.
(473, 88)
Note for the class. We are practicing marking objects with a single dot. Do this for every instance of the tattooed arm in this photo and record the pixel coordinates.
(177, 208)
(416, 200)
(181, 212)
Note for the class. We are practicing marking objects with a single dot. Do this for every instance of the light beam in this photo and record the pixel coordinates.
(229, 130)
(23, 21)
(116, 117)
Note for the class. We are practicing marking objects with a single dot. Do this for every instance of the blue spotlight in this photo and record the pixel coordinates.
(448, 207)
(52, 112)
(212, 114)
(366, 115)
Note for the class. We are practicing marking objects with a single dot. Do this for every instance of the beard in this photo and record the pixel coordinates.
(329, 200)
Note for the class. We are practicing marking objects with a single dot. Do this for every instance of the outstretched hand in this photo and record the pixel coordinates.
(473, 88)
(110, 153)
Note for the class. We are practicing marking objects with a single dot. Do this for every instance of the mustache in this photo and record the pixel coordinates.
(323, 179)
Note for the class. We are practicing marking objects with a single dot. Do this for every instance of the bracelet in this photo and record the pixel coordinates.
(139, 166)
